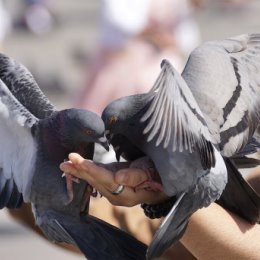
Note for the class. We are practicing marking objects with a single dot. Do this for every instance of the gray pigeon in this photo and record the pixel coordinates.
(185, 121)
(35, 138)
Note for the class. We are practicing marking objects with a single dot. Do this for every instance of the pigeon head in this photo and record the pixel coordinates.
(71, 130)
(123, 112)
(81, 126)
(122, 118)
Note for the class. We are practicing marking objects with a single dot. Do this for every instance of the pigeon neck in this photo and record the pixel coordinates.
(50, 139)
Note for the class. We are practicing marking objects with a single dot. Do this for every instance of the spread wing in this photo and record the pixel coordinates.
(224, 77)
(174, 117)
(22, 103)
(23, 86)
(17, 149)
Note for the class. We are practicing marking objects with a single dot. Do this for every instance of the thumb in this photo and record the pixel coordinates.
(131, 177)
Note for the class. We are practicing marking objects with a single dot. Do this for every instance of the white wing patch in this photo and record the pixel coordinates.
(18, 149)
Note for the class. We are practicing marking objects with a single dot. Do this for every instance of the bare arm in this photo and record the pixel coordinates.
(212, 234)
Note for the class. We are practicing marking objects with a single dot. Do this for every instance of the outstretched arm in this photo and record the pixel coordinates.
(212, 234)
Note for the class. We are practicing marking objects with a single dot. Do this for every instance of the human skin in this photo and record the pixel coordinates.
(213, 233)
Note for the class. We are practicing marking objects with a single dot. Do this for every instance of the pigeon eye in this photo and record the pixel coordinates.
(88, 132)
(112, 120)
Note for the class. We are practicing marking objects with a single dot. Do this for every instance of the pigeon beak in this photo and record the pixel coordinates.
(117, 152)
(109, 136)
(103, 141)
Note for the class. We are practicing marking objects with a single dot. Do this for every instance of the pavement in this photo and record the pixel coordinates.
(56, 60)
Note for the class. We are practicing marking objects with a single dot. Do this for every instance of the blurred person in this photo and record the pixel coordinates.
(36, 16)
(5, 23)
(135, 35)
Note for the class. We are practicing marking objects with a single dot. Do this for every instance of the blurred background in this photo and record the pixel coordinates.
(86, 53)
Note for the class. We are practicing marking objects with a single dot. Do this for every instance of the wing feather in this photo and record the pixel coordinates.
(18, 153)
(23, 86)
(174, 117)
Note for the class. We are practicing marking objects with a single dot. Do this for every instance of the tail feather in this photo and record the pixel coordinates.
(245, 162)
(96, 239)
(10, 197)
(239, 197)
(172, 228)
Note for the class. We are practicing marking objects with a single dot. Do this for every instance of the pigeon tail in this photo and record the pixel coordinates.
(171, 229)
(245, 162)
(10, 197)
(96, 239)
(238, 196)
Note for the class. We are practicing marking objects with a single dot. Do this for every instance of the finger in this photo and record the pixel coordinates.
(97, 176)
(77, 160)
(131, 177)
(89, 168)
(68, 167)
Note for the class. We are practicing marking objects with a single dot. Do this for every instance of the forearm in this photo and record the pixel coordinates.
(213, 234)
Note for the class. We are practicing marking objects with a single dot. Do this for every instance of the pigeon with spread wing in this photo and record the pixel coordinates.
(35, 138)
(187, 123)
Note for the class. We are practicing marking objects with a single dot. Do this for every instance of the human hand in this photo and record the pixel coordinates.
(107, 178)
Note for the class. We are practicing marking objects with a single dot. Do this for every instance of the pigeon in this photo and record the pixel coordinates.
(35, 138)
(191, 125)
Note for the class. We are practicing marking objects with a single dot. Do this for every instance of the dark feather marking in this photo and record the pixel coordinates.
(233, 131)
(236, 94)
(194, 111)
(23, 86)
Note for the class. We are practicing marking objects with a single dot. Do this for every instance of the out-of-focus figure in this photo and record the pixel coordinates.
(35, 16)
(5, 23)
(135, 35)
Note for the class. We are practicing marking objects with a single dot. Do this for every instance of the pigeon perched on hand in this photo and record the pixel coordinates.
(35, 138)
(187, 122)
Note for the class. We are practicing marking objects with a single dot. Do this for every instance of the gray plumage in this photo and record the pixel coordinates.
(35, 138)
(187, 122)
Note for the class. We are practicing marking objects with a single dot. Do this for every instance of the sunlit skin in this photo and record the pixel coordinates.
(212, 234)
(106, 181)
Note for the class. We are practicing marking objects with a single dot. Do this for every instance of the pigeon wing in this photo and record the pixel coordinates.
(224, 77)
(17, 149)
(174, 119)
(24, 87)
